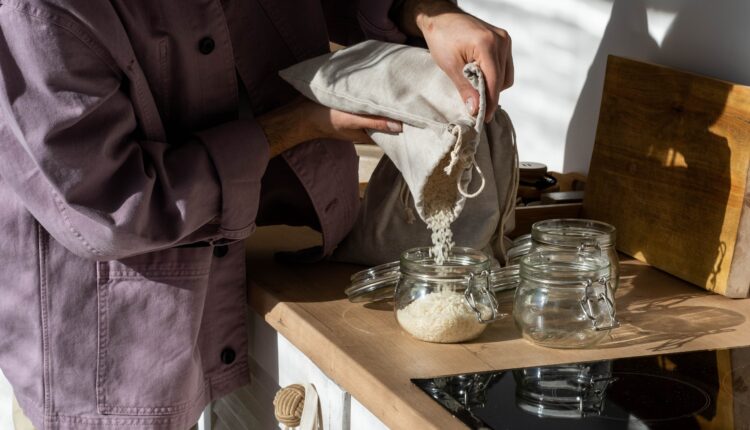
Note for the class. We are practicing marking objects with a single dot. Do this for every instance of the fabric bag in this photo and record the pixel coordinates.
(444, 158)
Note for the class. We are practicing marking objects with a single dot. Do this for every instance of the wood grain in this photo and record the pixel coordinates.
(670, 171)
(361, 348)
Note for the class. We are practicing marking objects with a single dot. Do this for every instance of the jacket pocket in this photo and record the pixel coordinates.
(150, 309)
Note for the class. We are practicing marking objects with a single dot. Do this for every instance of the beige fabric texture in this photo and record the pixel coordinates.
(403, 83)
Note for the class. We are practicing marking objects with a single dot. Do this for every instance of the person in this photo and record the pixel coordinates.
(140, 143)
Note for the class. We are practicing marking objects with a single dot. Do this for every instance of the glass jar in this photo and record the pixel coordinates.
(564, 299)
(444, 303)
(570, 234)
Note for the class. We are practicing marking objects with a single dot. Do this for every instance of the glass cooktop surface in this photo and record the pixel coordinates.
(694, 390)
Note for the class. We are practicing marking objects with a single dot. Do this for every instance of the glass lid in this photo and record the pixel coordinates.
(379, 283)
(572, 231)
(374, 284)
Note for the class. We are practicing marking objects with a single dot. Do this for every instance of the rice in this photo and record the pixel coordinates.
(442, 235)
(439, 200)
(441, 317)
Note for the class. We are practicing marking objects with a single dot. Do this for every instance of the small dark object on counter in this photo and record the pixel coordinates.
(534, 180)
(531, 171)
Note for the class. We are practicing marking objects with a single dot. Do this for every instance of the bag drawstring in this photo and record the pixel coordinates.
(455, 153)
(510, 198)
(468, 160)
(467, 155)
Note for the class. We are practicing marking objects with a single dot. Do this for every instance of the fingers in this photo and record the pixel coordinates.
(375, 123)
(509, 68)
(469, 95)
(496, 62)
(348, 126)
(494, 76)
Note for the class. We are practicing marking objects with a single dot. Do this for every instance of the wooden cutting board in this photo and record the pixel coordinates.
(670, 171)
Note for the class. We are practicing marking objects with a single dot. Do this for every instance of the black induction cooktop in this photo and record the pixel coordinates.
(694, 390)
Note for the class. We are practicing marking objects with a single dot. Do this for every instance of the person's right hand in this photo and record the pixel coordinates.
(303, 120)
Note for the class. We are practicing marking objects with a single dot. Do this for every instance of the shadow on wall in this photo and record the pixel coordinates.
(707, 37)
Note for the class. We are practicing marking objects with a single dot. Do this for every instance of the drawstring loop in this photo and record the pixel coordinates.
(463, 190)
(468, 161)
(466, 153)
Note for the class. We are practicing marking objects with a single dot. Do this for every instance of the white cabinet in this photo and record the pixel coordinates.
(275, 363)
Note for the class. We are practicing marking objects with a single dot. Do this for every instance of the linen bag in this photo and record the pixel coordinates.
(432, 159)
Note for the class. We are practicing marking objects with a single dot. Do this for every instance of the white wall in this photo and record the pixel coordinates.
(560, 49)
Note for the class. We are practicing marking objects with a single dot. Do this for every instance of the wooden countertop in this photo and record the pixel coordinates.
(362, 349)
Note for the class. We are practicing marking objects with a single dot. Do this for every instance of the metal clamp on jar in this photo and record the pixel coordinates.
(565, 298)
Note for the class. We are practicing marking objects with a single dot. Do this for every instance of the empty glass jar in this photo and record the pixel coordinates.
(444, 303)
(570, 234)
(565, 298)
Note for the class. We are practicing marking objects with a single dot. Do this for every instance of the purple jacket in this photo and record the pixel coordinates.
(127, 183)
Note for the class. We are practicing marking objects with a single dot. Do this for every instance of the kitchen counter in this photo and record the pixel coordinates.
(361, 348)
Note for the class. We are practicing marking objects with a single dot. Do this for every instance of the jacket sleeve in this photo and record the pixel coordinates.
(70, 149)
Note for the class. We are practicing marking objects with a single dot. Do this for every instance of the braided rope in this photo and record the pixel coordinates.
(288, 405)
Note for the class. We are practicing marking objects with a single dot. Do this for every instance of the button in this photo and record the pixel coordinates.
(206, 45)
(220, 251)
(228, 355)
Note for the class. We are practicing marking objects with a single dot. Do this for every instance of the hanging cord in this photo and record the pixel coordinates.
(455, 153)
(462, 189)
(466, 153)
(510, 198)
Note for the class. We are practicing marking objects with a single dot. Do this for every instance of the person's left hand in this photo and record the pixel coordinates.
(455, 39)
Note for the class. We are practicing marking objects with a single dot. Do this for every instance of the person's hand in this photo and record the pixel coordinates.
(456, 39)
(335, 124)
(304, 120)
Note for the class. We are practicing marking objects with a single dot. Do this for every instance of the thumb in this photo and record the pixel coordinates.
(469, 95)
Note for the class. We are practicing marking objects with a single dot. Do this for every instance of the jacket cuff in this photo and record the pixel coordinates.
(240, 153)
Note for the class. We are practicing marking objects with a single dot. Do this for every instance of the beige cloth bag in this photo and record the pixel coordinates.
(442, 155)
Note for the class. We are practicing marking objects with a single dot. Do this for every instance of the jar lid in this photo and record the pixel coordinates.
(374, 284)
(573, 231)
(564, 267)
(505, 278)
(379, 283)
(519, 249)
(524, 238)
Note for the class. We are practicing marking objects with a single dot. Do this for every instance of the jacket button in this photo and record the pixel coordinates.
(206, 45)
(228, 355)
(220, 251)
